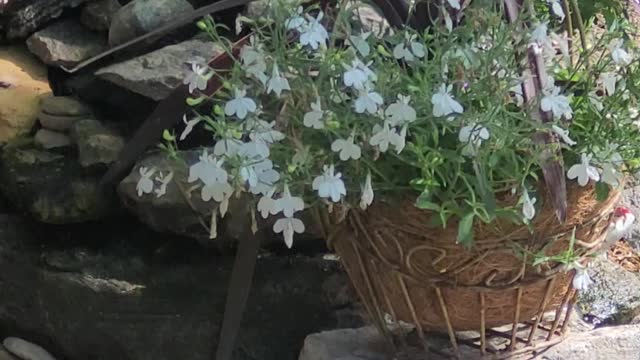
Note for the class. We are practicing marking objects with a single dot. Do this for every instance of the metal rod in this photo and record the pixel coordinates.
(445, 313)
(558, 314)
(483, 330)
(543, 305)
(412, 309)
(516, 317)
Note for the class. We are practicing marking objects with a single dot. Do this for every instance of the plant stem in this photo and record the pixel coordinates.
(583, 38)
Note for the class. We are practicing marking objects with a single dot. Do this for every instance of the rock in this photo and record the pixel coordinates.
(156, 74)
(65, 43)
(23, 81)
(613, 297)
(4, 355)
(97, 15)
(57, 122)
(136, 295)
(631, 199)
(64, 106)
(352, 344)
(618, 342)
(142, 16)
(52, 187)
(48, 139)
(26, 16)
(96, 144)
(26, 350)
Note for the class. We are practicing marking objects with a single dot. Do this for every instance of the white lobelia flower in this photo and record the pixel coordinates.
(198, 77)
(314, 118)
(263, 131)
(145, 184)
(563, 134)
(218, 191)
(443, 103)
(596, 100)
(556, 103)
(409, 49)
(267, 205)
(368, 101)
(346, 149)
(528, 206)
(267, 178)
(400, 112)
(288, 226)
(454, 4)
(583, 171)
(240, 105)
(611, 175)
(366, 199)
(539, 41)
(288, 204)
(164, 181)
(329, 185)
(383, 136)
(556, 8)
(581, 279)
(296, 21)
(313, 33)
(619, 55)
(189, 124)
(472, 135)
(401, 140)
(277, 83)
(208, 170)
(253, 61)
(608, 80)
(360, 43)
(357, 75)
(227, 147)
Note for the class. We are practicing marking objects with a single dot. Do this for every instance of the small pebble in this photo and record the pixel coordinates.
(64, 105)
(57, 122)
(26, 350)
(48, 139)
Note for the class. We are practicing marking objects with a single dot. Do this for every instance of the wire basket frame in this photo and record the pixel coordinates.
(418, 275)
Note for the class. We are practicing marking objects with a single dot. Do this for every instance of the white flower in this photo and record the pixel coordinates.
(253, 61)
(266, 180)
(145, 184)
(472, 135)
(610, 175)
(594, 99)
(556, 103)
(368, 101)
(240, 105)
(208, 170)
(528, 208)
(366, 199)
(277, 83)
(189, 124)
(164, 181)
(218, 191)
(288, 226)
(297, 21)
(556, 8)
(360, 43)
(313, 32)
(254, 150)
(263, 131)
(539, 41)
(330, 185)
(198, 77)
(313, 118)
(401, 140)
(266, 205)
(619, 55)
(581, 279)
(288, 204)
(228, 147)
(400, 112)
(357, 75)
(563, 134)
(347, 149)
(454, 4)
(608, 81)
(408, 49)
(444, 104)
(583, 171)
(383, 136)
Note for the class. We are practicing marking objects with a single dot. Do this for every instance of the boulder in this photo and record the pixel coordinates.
(142, 16)
(65, 43)
(97, 15)
(48, 139)
(97, 145)
(136, 295)
(53, 187)
(156, 74)
(64, 106)
(23, 81)
(23, 17)
(618, 342)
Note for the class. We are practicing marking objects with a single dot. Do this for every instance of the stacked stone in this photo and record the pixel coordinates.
(57, 116)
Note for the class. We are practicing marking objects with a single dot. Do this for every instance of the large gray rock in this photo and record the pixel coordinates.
(142, 16)
(97, 145)
(23, 17)
(156, 74)
(631, 199)
(51, 186)
(97, 15)
(611, 343)
(65, 43)
(136, 295)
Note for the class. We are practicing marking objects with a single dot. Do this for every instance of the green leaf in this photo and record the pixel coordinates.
(602, 191)
(168, 136)
(424, 202)
(465, 230)
(217, 109)
(195, 101)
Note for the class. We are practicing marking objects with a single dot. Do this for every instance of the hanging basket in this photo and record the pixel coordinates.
(405, 268)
